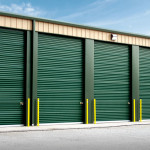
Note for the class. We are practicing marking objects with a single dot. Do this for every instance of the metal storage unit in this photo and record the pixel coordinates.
(145, 81)
(112, 81)
(11, 77)
(60, 78)
(67, 66)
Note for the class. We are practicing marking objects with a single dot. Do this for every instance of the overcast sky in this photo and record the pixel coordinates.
(123, 15)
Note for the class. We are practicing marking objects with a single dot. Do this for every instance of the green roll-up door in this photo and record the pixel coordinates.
(60, 79)
(112, 81)
(145, 81)
(11, 76)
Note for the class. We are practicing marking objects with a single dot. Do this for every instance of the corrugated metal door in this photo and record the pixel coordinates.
(145, 81)
(112, 81)
(11, 76)
(60, 79)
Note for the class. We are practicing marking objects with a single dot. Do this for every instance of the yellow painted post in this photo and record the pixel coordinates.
(140, 110)
(134, 109)
(38, 101)
(87, 111)
(28, 122)
(94, 111)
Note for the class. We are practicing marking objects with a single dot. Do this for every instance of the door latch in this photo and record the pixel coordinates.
(21, 103)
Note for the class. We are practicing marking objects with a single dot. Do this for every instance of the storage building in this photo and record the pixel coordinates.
(57, 72)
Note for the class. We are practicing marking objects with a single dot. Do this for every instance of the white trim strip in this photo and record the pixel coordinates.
(4, 126)
(112, 121)
(68, 123)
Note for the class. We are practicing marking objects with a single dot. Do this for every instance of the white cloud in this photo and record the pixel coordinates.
(24, 8)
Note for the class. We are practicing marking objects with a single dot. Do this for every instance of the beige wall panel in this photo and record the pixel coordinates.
(13, 22)
(19, 23)
(36, 26)
(140, 41)
(149, 42)
(46, 27)
(56, 28)
(100, 35)
(144, 41)
(123, 39)
(87, 33)
(25, 24)
(79, 32)
(7, 21)
(2, 21)
(74, 31)
(65, 30)
(119, 38)
(108, 37)
(104, 36)
(70, 30)
(83, 33)
(51, 28)
(126, 39)
(41, 26)
(61, 29)
(136, 40)
(91, 34)
(133, 41)
(29, 25)
(130, 40)
(96, 35)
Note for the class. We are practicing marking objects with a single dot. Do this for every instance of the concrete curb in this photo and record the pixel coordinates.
(51, 127)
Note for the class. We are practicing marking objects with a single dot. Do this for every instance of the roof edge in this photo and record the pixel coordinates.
(72, 24)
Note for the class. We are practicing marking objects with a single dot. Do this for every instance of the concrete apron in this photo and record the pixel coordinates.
(49, 127)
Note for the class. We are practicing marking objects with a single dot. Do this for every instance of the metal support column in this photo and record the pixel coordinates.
(89, 78)
(135, 82)
(28, 76)
(34, 74)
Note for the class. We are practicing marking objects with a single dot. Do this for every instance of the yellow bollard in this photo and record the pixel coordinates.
(134, 110)
(94, 111)
(28, 122)
(87, 111)
(140, 110)
(38, 101)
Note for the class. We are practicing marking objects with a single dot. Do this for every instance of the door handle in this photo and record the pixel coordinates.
(21, 103)
(81, 103)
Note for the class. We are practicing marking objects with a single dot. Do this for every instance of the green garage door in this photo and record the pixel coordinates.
(60, 79)
(145, 81)
(112, 81)
(11, 76)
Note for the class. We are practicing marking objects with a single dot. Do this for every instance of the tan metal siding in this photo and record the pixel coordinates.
(92, 34)
(51, 28)
(40, 26)
(17, 23)
(46, 27)
(83, 33)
